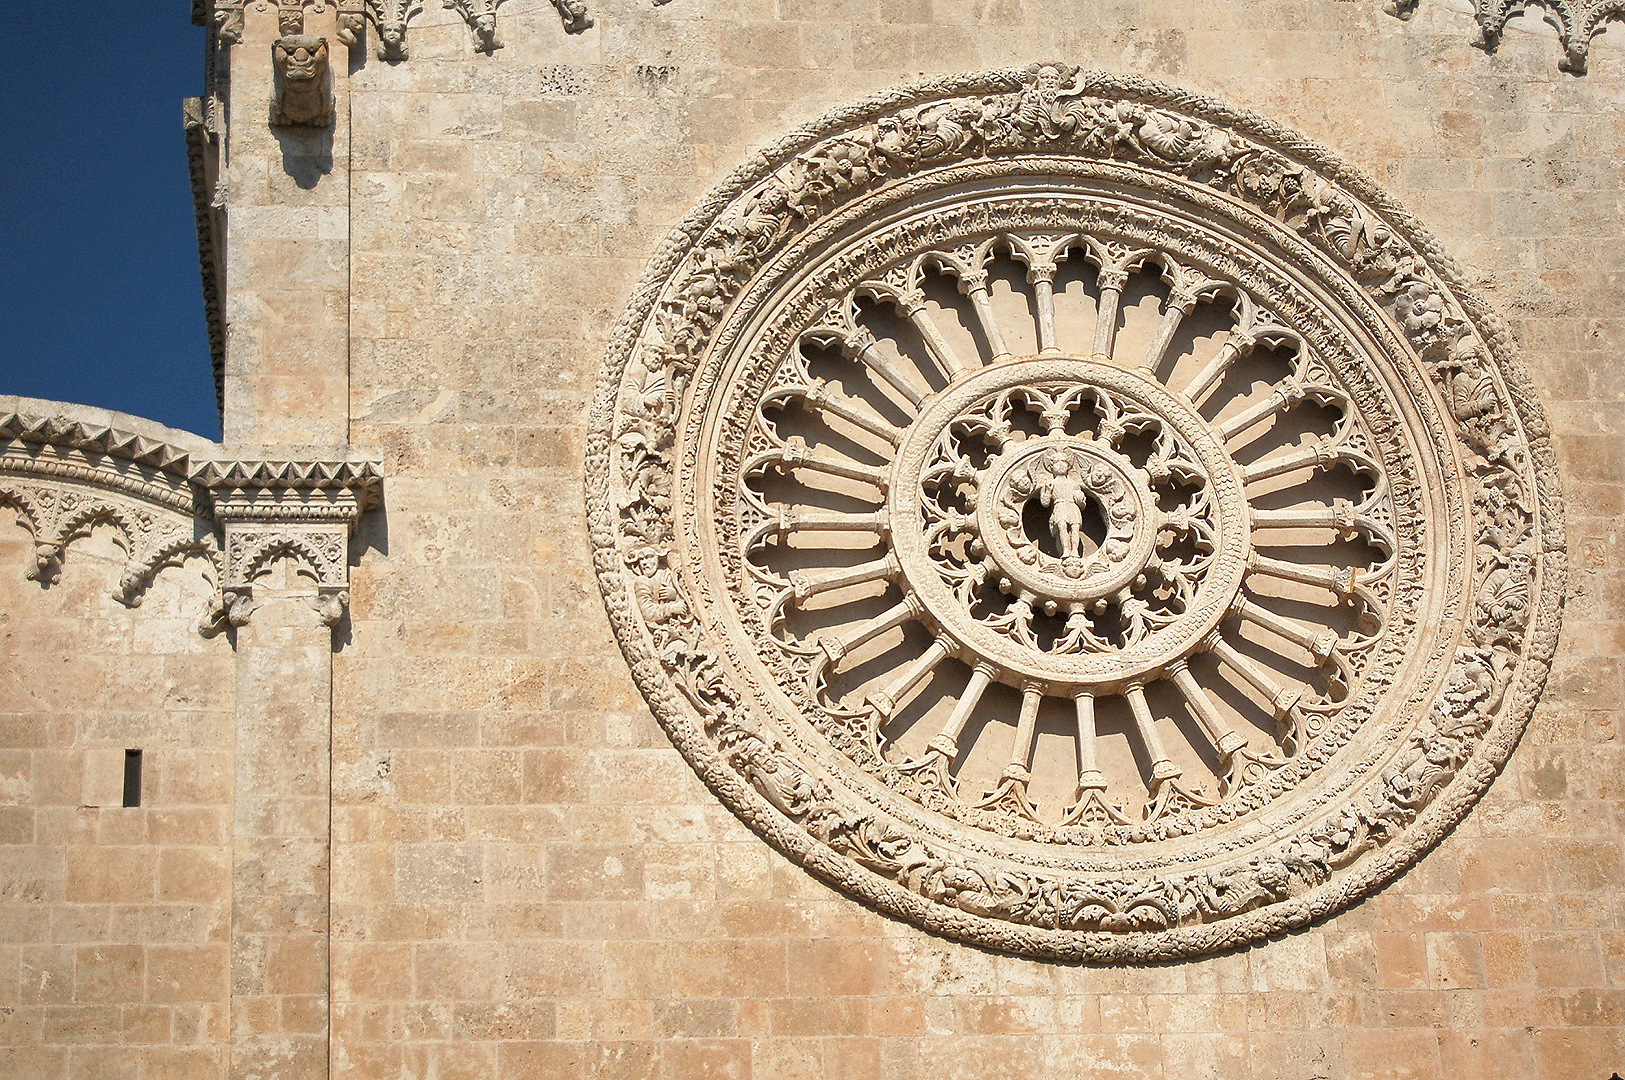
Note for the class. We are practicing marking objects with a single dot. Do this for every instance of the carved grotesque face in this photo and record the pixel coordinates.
(301, 59)
(485, 25)
(1049, 83)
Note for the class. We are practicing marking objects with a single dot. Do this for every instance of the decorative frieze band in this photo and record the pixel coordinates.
(1577, 22)
(389, 18)
(62, 477)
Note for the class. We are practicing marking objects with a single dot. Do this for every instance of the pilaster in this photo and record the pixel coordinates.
(285, 584)
(286, 196)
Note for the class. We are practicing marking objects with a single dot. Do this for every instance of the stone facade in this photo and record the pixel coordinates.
(404, 811)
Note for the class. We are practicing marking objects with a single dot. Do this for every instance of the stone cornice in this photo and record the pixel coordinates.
(65, 468)
(74, 439)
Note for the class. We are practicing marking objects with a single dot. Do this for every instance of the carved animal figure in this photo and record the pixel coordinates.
(574, 14)
(300, 94)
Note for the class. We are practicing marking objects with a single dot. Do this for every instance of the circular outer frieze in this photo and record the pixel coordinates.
(1074, 516)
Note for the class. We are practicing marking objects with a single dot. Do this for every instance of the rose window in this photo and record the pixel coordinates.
(1070, 512)
(1075, 517)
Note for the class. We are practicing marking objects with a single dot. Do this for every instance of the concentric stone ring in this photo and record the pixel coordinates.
(1060, 392)
(1074, 516)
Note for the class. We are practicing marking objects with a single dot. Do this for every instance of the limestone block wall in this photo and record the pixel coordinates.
(442, 836)
(115, 921)
(527, 879)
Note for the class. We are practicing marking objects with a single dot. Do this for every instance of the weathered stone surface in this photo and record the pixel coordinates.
(521, 877)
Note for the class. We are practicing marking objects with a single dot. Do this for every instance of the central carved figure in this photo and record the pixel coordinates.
(1067, 498)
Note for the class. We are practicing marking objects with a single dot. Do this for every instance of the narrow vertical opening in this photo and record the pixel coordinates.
(132, 778)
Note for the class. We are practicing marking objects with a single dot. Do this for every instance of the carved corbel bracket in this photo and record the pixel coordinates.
(302, 83)
(389, 19)
(304, 511)
(481, 17)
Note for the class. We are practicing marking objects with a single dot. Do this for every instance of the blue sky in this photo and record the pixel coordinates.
(98, 250)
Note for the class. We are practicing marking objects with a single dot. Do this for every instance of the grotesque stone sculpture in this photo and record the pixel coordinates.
(302, 93)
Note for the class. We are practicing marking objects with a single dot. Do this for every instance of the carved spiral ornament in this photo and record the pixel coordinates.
(1074, 516)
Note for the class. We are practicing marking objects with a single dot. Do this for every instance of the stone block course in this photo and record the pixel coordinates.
(526, 879)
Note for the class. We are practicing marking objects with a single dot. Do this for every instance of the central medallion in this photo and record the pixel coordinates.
(1067, 521)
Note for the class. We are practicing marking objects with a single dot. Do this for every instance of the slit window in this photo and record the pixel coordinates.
(132, 778)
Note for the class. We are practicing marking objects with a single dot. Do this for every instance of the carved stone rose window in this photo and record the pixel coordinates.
(1074, 516)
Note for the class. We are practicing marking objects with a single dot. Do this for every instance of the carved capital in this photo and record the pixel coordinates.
(304, 511)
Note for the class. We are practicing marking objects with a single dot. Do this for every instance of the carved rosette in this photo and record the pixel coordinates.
(1074, 516)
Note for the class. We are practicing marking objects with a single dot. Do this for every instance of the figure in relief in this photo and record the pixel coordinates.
(1066, 498)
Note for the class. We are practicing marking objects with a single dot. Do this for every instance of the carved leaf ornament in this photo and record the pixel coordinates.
(1074, 516)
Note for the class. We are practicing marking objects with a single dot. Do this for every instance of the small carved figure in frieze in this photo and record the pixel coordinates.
(574, 14)
(481, 16)
(301, 91)
(290, 17)
(1042, 106)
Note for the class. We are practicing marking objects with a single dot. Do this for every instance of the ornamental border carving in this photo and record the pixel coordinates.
(1458, 740)
(61, 476)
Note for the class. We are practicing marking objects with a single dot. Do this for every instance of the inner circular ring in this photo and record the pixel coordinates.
(1063, 673)
(1064, 472)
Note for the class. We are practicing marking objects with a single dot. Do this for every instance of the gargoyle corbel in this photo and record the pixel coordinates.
(302, 94)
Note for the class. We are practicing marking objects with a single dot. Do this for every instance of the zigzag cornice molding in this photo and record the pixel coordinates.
(178, 470)
(66, 468)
